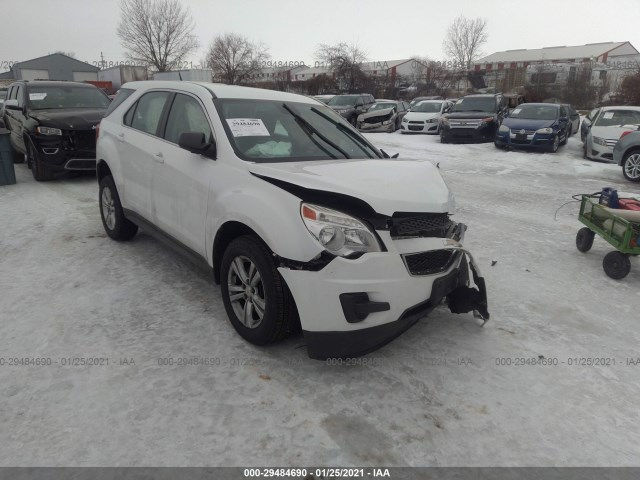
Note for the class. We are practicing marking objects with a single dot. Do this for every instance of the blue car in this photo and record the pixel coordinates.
(543, 126)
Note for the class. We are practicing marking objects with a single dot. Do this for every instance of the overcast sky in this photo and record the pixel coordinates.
(292, 29)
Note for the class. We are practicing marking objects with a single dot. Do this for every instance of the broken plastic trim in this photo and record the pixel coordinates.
(464, 298)
(314, 265)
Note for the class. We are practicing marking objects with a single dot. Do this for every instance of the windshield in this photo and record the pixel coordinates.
(535, 112)
(475, 104)
(614, 118)
(268, 131)
(46, 97)
(343, 100)
(427, 107)
(381, 106)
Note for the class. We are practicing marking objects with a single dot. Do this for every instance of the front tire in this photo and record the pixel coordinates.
(256, 297)
(117, 226)
(553, 148)
(584, 239)
(39, 170)
(631, 166)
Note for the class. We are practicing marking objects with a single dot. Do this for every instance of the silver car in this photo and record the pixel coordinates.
(626, 153)
(606, 129)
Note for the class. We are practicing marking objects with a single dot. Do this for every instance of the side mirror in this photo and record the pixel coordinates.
(11, 104)
(195, 142)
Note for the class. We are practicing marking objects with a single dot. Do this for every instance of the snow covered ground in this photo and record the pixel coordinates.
(434, 396)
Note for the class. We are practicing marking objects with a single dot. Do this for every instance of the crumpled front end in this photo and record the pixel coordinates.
(353, 306)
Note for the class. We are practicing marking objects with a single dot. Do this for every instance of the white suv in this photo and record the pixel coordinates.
(301, 219)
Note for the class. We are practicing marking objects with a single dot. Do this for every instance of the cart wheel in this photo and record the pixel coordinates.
(584, 239)
(616, 265)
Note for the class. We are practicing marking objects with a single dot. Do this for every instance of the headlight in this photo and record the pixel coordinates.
(445, 120)
(503, 129)
(546, 131)
(337, 232)
(432, 120)
(405, 119)
(600, 141)
(48, 131)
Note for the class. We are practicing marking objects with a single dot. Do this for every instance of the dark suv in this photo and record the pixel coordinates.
(53, 125)
(474, 118)
(350, 106)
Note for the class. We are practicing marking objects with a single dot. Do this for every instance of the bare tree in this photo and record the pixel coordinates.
(157, 32)
(464, 38)
(345, 61)
(234, 59)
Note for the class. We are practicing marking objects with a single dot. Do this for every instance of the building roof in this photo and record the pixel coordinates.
(590, 50)
(8, 75)
(35, 62)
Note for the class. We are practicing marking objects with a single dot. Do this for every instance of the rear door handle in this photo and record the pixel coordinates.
(158, 157)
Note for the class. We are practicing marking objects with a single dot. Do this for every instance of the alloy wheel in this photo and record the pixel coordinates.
(632, 167)
(108, 208)
(246, 292)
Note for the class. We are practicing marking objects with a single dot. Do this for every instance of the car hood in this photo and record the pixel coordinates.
(70, 119)
(526, 123)
(421, 115)
(377, 113)
(470, 114)
(610, 132)
(388, 185)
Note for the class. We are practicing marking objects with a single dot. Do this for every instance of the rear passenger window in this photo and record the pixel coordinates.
(186, 115)
(145, 114)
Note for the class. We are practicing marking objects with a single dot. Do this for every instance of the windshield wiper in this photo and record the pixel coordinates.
(307, 126)
(359, 141)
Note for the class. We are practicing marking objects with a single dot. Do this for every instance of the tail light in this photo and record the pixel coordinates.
(624, 134)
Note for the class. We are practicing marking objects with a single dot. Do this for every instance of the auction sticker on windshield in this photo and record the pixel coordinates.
(37, 96)
(247, 127)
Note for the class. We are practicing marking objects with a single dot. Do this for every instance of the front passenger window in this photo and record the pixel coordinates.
(186, 115)
(147, 112)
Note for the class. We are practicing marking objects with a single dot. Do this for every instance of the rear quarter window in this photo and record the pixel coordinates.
(121, 96)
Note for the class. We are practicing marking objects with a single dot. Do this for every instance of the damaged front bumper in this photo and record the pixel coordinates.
(354, 306)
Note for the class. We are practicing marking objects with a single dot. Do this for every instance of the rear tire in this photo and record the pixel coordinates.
(584, 239)
(257, 300)
(117, 226)
(616, 265)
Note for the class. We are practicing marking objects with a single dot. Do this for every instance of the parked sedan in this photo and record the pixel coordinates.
(424, 117)
(574, 118)
(383, 116)
(535, 125)
(604, 132)
(323, 98)
(626, 153)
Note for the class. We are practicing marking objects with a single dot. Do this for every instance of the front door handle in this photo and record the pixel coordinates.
(158, 157)
(121, 137)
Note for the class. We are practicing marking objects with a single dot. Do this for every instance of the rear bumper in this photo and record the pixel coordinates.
(393, 300)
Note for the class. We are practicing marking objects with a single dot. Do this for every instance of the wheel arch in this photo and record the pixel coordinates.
(102, 170)
(226, 234)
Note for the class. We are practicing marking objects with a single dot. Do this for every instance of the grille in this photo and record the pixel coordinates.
(428, 263)
(80, 164)
(377, 119)
(416, 122)
(80, 140)
(611, 142)
(428, 225)
(515, 131)
(524, 141)
(464, 123)
(417, 128)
